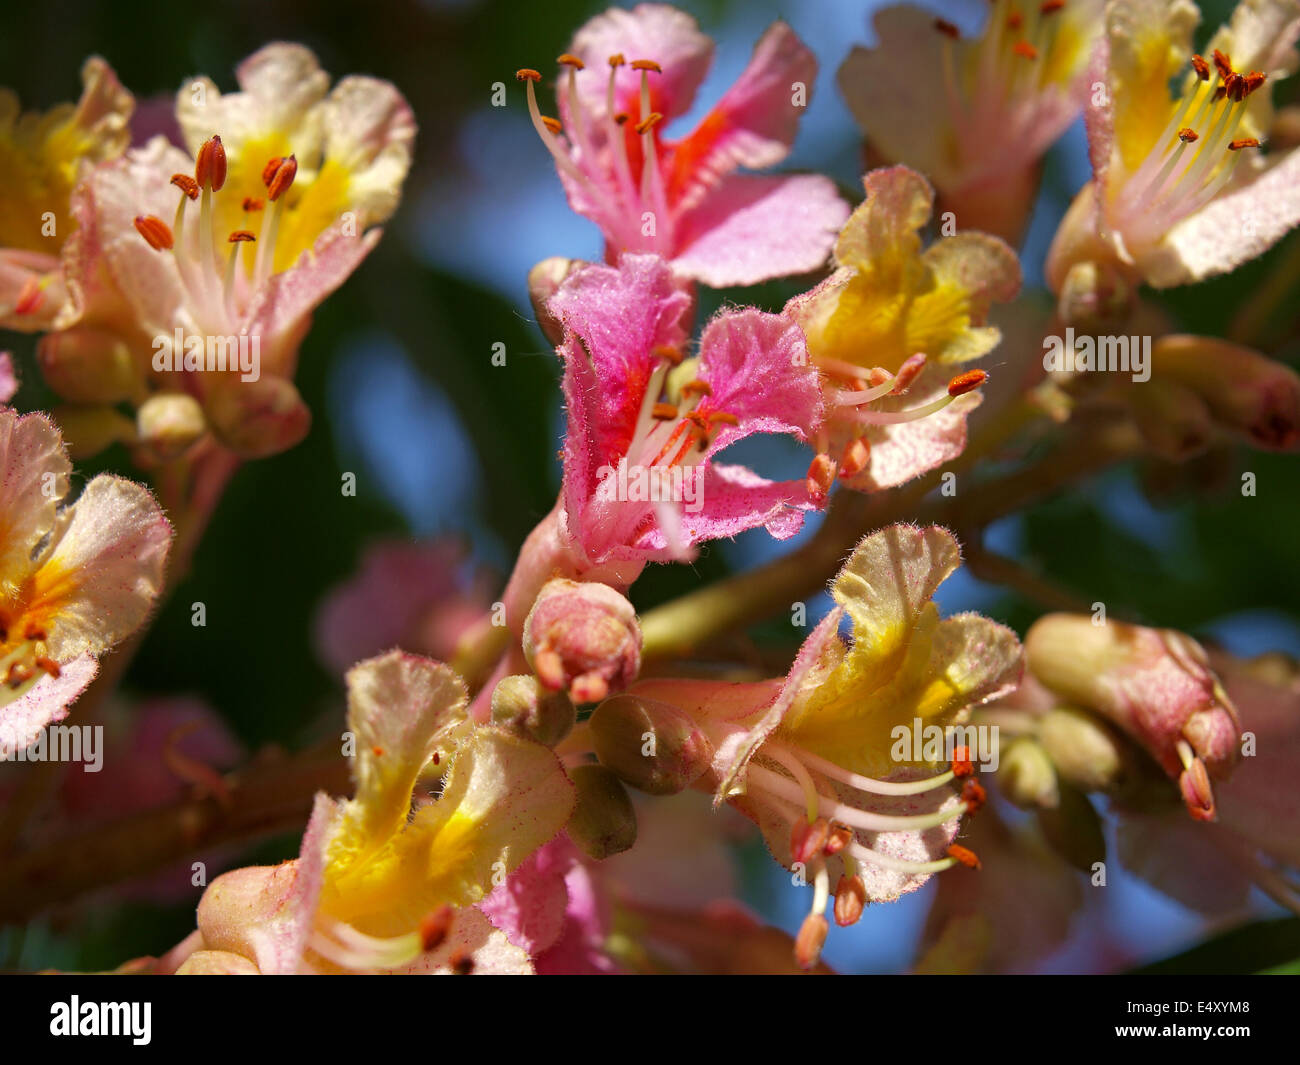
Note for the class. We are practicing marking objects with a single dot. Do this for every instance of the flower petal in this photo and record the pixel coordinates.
(755, 122)
(44, 702)
(106, 571)
(34, 471)
(750, 228)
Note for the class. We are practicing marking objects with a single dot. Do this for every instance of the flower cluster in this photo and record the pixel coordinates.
(529, 769)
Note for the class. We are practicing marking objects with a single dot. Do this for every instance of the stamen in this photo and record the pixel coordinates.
(646, 64)
(856, 457)
(963, 855)
(187, 185)
(966, 382)
(1201, 67)
(1244, 142)
(870, 784)
(850, 900)
(648, 123)
(155, 232)
(663, 412)
(1025, 49)
(281, 178)
(210, 166)
(251, 204)
(240, 236)
(1187, 135)
(947, 28)
(695, 386)
(569, 60)
(553, 124)
(974, 796)
(787, 789)
(810, 940)
(807, 840)
(820, 477)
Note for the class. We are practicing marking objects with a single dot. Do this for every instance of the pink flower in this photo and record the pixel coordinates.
(387, 881)
(1211, 867)
(975, 115)
(1180, 191)
(641, 480)
(165, 295)
(42, 157)
(815, 758)
(683, 199)
(74, 580)
(1155, 684)
(890, 330)
(421, 596)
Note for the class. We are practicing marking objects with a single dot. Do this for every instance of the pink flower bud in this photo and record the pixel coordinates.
(1155, 684)
(582, 638)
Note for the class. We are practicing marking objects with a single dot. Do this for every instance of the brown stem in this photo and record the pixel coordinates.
(264, 799)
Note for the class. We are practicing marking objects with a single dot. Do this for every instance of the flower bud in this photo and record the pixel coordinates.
(543, 281)
(649, 745)
(1095, 297)
(87, 366)
(522, 705)
(1246, 392)
(258, 418)
(583, 638)
(603, 822)
(88, 430)
(1155, 684)
(1084, 749)
(168, 423)
(1173, 420)
(1026, 775)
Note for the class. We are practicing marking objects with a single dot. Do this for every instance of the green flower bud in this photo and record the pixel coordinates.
(603, 822)
(1026, 775)
(521, 704)
(1085, 750)
(649, 745)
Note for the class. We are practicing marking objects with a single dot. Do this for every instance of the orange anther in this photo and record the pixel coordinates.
(155, 231)
(251, 204)
(646, 64)
(210, 166)
(49, 665)
(617, 60)
(961, 763)
(528, 74)
(553, 124)
(1222, 64)
(821, 475)
(963, 856)
(663, 412)
(973, 795)
(850, 900)
(696, 387)
(281, 177)
(647, 123)
(1024, 48)
(1201, 67)
(1244, 142)
(1187, 134)
(239, 236)
(856, 457)
(947, 28)
(966, 382)
(187, 185)
(571, 61)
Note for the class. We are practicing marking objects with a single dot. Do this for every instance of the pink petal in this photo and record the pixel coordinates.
(752, 228)
(530, 906)
(8, 378)
(755, 122)
(657, 32)
(109, 562)
(34, 471)
(758, 368)
(1232, 229)
(45, 703)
